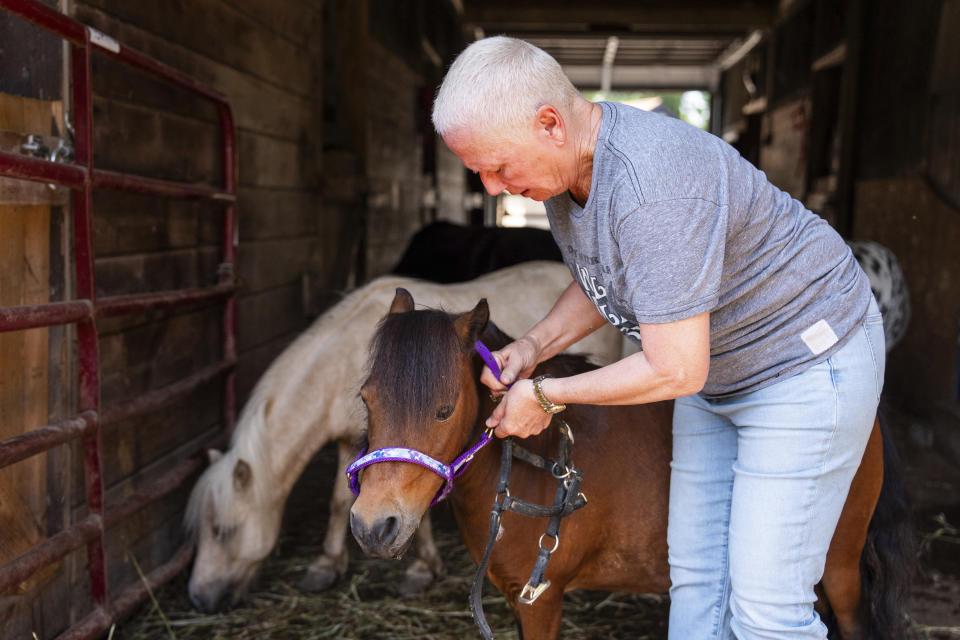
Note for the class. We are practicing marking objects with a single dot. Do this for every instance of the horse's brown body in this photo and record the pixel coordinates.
(840, 588)
(616, 543)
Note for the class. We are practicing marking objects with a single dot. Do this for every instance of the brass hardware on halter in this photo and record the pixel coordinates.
(530, 593)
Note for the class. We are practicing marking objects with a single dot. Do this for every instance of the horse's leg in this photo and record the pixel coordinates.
(541, 620)
(841, 576)
(427, 566)
(333, 562)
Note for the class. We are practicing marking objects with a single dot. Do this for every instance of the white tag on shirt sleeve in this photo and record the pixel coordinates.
(819, 337)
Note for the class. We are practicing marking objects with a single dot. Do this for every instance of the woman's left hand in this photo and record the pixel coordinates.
(519, 414)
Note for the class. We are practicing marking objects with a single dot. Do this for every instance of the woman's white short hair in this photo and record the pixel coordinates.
(496, 85)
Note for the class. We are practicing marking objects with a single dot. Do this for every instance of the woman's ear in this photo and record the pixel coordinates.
(549, 124)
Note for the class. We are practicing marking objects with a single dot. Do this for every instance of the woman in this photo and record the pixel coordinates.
(751, 310)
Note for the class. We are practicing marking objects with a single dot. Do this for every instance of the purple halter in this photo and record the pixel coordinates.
(403, 454)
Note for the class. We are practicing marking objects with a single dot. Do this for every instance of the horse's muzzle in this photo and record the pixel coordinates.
(212, 598)
(385, 537)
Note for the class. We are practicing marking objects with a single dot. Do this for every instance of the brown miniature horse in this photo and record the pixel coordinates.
(424, 393)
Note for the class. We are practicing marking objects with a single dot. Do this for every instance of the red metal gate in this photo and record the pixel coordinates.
(82, 178)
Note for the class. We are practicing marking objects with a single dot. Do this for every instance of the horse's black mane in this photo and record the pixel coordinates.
(413, 363)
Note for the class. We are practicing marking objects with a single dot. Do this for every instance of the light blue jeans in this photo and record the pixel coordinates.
(758, 482)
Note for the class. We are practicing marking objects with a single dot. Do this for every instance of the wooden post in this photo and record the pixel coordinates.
(848, 121)
(25, 217)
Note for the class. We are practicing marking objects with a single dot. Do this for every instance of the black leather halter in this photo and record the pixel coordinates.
(567, 499)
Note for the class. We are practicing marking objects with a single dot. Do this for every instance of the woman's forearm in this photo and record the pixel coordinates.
(629, 381)
(675, 362)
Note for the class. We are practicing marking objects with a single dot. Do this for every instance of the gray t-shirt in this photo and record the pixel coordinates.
(678, 223)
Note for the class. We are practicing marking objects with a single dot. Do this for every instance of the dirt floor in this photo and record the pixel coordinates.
(365, 604)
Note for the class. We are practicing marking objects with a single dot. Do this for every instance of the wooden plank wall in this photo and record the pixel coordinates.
(401, 78)
(907, 216)
(783, 154)
(943, 127)
(903, 150)
(330, 133)
(907, 167)
(35, 378)
(24, 278)
(263, 55)
(451, 185)
(394, 160)
(786, 121)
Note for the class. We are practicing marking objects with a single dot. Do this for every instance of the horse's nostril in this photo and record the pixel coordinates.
(208, 603)
(376, 538)
(386, 529)
(358, 526)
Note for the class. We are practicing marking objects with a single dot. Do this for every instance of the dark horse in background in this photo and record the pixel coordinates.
(447, 252)
(424, 393)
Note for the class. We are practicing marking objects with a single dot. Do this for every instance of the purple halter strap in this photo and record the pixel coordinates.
(403, 454)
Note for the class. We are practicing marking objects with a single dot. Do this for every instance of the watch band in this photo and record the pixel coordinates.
(546, 405)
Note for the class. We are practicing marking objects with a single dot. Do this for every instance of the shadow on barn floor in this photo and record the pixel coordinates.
(365, 604)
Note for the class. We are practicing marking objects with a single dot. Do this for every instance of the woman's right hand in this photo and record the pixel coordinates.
(517, 360)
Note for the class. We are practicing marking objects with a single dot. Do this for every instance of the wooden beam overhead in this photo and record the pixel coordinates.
(636, 50)
(646, 77)
(509, 16)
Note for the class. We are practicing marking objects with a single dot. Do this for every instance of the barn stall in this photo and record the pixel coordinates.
(187, 185)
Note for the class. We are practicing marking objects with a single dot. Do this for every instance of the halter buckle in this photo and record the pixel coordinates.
(530, 593)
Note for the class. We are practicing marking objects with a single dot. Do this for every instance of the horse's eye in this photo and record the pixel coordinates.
(444, 412)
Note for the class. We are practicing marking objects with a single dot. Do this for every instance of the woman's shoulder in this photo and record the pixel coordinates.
(635, 128)
(662, 158)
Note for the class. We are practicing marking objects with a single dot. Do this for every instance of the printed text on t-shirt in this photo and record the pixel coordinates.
(597, 291)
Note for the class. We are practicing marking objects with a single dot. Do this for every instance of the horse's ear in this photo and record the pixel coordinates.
(242, 474)
(470, 325)
(402, 301)
(213, 455)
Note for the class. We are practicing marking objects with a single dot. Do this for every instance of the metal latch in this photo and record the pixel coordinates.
(36, 146)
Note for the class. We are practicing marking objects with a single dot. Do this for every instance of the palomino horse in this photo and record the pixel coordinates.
(423, 394)
(307, 398)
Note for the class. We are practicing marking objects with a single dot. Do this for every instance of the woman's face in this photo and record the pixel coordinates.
(528, 164)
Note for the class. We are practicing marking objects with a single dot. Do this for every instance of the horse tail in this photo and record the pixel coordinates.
(888, 561)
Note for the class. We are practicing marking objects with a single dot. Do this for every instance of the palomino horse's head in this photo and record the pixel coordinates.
(421, 394)
(235, 527)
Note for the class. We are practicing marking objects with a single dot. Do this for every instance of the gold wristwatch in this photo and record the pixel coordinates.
(545, 404)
